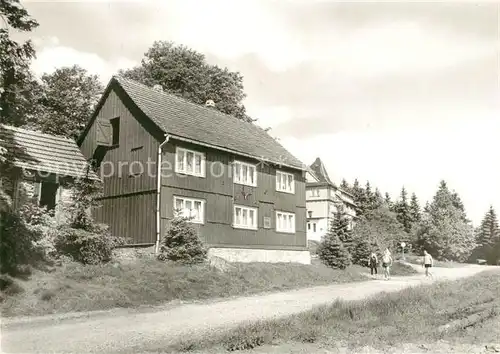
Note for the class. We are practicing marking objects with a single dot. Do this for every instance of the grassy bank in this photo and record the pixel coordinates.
(413, 315)
(74, 287)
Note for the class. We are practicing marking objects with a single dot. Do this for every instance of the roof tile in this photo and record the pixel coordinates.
(184, 119)
(43, 152)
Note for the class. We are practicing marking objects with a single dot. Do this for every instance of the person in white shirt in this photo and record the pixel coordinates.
(387, 263)
(427, 263)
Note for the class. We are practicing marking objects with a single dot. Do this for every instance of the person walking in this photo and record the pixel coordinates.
(372, 263)
(387, 263)
(427, 263)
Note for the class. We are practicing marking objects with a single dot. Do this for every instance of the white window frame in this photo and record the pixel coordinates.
(246, 210)
(288, 230)
(239, 165)
(192, 200)
(279, 175)
(184, 170)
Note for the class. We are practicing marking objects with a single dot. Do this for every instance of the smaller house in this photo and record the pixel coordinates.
(323, 198)
(46, 164)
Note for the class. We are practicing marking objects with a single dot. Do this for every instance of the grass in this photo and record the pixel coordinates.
(410, 316)
(75, 288)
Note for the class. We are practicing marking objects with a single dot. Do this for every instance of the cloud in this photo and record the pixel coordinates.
(51, 56)
(417, 158)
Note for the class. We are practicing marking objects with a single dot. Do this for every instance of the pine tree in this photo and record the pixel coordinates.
(361, 252)
(444, 232)
(416, 215)
(378, 200)
(359, 198)
(340, 227)
(345, 186)
(402, 209)
(488, 237)
(182, 244)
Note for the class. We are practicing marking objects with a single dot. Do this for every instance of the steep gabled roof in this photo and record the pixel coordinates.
(185, 120)
(320, 172)
(35, 151)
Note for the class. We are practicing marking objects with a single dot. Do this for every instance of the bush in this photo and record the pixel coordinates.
(87, 246)
(332, 253)
(361, 252)
(17, 244)
(182, 244)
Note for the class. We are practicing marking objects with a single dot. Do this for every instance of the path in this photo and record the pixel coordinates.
(122, 330)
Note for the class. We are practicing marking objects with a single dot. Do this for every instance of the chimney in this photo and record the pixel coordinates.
(210, 103)
(158, 88)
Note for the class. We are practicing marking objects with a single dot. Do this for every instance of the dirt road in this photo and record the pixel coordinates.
(128, 330)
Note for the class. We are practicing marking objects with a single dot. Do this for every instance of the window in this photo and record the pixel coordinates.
(190, 162)
(48, 193)
(314, 227)
(115, 126)
(190, 208)
(245, 217)
(245, 173)
(285, 222)
(309, 226)
(285, 182)
(314, 192)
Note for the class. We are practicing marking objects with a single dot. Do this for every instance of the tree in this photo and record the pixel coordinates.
(444, 232)
(15, 59)
(380, 228)
(488, 238)
(331, 250)
(345, 186)
(69, 97)
(361, 252)
(184, 72)
(340, 227)
(360, 198)
(182, 244)
(415, 213)
(402, 209)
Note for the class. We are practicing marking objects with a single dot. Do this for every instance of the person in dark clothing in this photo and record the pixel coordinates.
(372, 263)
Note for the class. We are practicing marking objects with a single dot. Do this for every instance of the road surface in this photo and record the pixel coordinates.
(124, 330)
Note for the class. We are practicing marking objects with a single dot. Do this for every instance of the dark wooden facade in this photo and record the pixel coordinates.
(220, 194)
(129, 203)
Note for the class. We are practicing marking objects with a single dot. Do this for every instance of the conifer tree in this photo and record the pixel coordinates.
(488, 238)
(416, 214)
(388, 201)
(402, 209)
(345, 186)
(331, 250)
(444, 231)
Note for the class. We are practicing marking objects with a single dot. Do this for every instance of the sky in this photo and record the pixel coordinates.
(397, 93)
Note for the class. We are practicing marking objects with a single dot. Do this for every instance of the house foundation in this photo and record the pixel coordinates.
(260, 255)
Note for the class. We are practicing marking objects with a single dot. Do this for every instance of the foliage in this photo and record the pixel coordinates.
(361, 252)
(444, 231)
(488, 238)
(380, 228)
(182, 244)
(334, 248)
(68, 97)
(186, 73)
(332, 253)
(18, 242)
(415, 212)
(403, 211)
(87, 246)
(85, 193)
(38, 220)
(15, 60)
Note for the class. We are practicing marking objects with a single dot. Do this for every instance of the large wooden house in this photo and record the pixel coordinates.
(159, 155)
